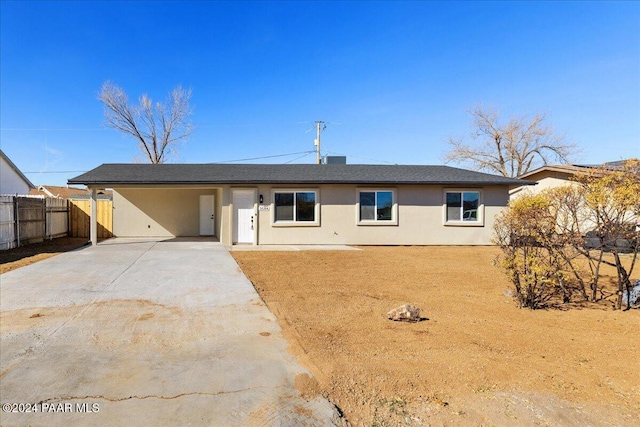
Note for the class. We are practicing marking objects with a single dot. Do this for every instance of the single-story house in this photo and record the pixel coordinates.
(303, 203)
(550, 176)
(12, 180)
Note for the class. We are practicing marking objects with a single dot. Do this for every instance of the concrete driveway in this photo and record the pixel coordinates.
(145, 332)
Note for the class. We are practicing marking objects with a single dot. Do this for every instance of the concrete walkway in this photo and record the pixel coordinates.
(145, 332)
(290, 248)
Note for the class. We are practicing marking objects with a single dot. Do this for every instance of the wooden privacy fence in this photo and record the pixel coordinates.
(80, 217)
(25, 220)
(28, 219)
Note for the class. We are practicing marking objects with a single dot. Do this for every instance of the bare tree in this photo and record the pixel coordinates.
(509, 149)
(157, 127)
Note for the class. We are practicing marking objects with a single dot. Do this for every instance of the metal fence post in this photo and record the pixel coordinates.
(44, 213)
(16, 215)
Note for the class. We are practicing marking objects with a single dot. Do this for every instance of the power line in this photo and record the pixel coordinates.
(52, 129)
(265, 157)
(363, 158)
(297, 158)
(304, 153)
(55, 172)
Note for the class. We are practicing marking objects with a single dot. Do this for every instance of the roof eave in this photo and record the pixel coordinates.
(568, 169)
(298, 182)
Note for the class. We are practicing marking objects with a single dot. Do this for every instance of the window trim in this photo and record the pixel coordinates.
(295, 223)
(460, 223)
(376, 222)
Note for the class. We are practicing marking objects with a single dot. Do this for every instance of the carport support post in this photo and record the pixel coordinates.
(93, 228)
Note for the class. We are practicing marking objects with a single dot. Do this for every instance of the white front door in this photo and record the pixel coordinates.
(207, 214)
(243, 216)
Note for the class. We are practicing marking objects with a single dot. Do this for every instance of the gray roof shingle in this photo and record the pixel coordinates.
(110, 174)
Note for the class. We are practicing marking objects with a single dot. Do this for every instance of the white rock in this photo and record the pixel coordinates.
(405, 313)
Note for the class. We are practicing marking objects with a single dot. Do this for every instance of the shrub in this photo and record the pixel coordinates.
(553, 242)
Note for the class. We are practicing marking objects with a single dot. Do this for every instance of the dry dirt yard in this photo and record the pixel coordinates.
(477, 359)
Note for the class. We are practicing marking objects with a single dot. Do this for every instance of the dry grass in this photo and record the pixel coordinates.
(477, 360)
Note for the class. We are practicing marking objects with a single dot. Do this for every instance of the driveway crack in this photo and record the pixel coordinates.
(152, 396)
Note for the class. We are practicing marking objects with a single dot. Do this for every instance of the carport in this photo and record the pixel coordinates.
(162, 211)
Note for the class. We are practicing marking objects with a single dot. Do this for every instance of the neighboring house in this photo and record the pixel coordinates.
(304, 203)
(59, 192)
(72, 193)
(550, 176)
(12, 180)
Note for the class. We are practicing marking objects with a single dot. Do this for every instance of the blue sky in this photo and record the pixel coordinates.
(393, 80)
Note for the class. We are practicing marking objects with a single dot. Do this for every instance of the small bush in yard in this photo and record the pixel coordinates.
(553, 243)
(613, 198)
(523, 233)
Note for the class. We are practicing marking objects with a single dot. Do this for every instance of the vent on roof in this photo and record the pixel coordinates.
(335, 160)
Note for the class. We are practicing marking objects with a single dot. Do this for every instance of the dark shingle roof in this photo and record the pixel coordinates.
(128, 174)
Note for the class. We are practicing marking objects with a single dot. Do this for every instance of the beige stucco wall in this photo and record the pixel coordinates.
(175, 212)
(420, 219)
(544, 179)
(159, 212)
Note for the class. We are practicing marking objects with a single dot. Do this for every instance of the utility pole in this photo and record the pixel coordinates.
(320, 126)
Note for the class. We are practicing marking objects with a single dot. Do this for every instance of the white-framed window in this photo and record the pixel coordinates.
(298, 207)
(377, 206)
(463, 207)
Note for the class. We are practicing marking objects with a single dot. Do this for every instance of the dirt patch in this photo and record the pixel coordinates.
(146, 316)
(25, 255)
(477, 360)
(307, 385)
